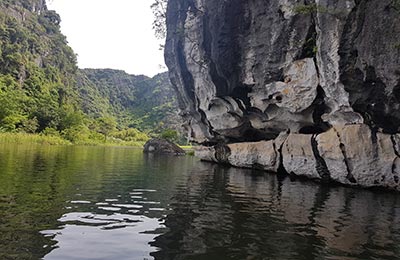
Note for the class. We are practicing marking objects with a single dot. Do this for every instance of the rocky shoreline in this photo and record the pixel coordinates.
(351, 155)
(307, 87)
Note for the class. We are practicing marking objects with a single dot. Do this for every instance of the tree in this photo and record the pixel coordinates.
(170, 135)
(106, 126)
(70, 117)
(52, 16)
(159, 8)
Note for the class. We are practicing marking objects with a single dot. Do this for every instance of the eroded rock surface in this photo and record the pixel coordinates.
(247, 70)
(327, 72)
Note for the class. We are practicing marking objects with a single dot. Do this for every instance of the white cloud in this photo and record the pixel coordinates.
(111, 34)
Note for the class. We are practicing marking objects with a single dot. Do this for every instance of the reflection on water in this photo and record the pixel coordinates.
(237, 214)
(116, 203)
(105, 228)
(83, 202)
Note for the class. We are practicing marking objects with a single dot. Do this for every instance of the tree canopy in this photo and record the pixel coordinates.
(43, 91)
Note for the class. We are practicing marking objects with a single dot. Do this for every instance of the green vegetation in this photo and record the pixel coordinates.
(310, 9)
(310, 48)
(45, 98)
(170, 135)
(396, 5)
(56, 139)
(306, 9)
(36, 71)
(21, 138)
(140, 102)
(188, 149)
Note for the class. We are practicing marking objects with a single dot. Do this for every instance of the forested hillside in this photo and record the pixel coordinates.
(37, 68)
(43, 91)
(148, 104)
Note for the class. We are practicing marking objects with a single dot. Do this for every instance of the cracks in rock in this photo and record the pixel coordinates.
(281, 171)
(374, 140)
(369, 93)
(397, 152)
(187, 77)
(277, 154)
(342, 147)
(352, 28)
(394, 169)
(221, 83)
(242, 93)
(221, 45)
(320, 108)
(349, 175)
(321, 166)
(309, 49)
(204, 120)
(201, 61)
(395, 145)
(222, 153)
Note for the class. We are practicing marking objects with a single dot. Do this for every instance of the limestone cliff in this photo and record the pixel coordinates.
(249, 71)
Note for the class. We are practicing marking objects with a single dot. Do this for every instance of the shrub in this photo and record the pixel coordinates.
(170, 135)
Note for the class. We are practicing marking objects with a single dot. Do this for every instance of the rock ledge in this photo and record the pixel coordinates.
(352, 155)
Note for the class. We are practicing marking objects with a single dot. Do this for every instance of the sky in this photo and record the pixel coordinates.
(113, 34)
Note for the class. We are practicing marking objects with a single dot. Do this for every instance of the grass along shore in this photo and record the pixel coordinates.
(23, 138)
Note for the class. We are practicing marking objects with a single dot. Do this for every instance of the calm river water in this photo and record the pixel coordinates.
(67, 203)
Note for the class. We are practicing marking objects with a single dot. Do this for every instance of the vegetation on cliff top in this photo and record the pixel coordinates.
(43, 92)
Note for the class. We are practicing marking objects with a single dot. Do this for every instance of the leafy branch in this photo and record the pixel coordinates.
(159, 9)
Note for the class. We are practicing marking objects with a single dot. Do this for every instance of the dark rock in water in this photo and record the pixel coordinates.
(162, 146)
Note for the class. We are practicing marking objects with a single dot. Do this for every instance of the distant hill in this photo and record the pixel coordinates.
(43, 91)
(148, 104)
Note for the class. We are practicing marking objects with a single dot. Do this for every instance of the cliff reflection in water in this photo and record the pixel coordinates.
(227, 213)
(104, 203)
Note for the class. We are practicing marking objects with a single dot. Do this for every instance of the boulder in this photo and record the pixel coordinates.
(263, 155)
(298, 156)
(162, 146)
(371, 161)
(260, 155)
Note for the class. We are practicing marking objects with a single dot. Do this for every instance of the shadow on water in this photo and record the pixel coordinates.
(227, 213)
(67, 203)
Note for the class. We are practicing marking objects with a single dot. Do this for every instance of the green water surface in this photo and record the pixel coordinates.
(71, 202)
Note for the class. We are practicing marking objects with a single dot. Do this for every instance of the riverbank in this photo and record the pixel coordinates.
(189, 149)
(352, 155)
(23, 138)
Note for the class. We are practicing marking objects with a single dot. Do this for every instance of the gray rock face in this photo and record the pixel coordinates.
(370, 161)
(161, 146)
(333, 156)
(248, 70)
(298, 156)
(326, 71)
(296, 93)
